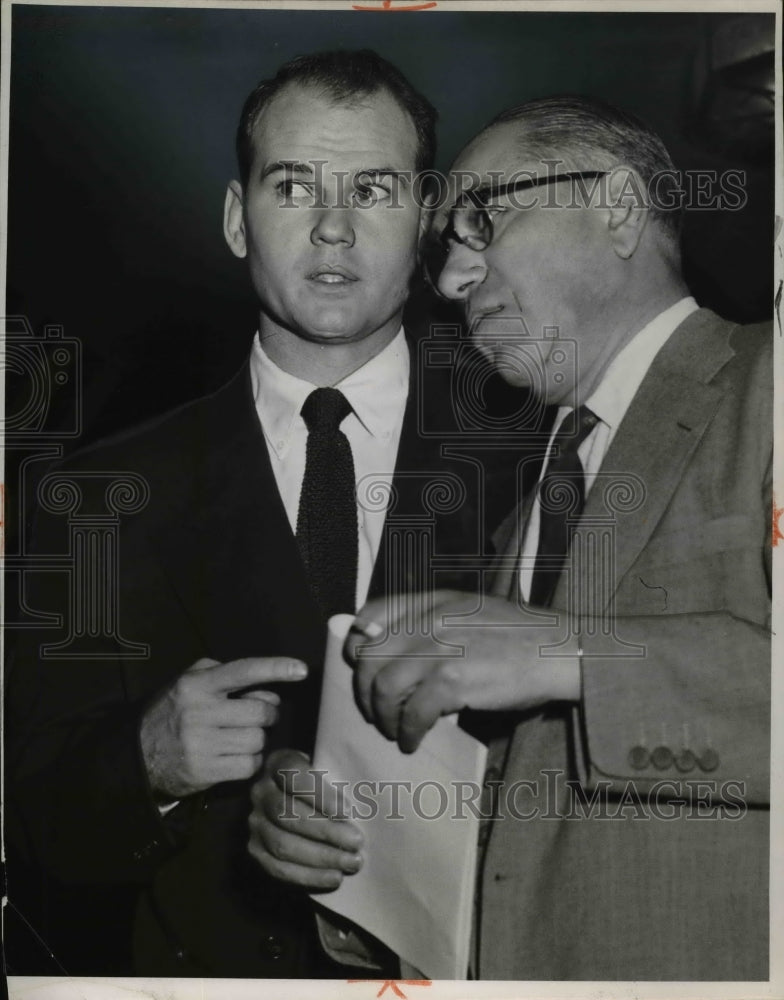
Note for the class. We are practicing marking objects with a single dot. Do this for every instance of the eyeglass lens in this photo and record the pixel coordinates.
(471, 224)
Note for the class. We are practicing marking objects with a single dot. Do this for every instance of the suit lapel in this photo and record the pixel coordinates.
(234, 559)
(654, 444)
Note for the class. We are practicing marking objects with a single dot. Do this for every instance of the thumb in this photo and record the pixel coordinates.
(203, 664)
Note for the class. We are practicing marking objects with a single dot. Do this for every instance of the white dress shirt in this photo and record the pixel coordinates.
(610, 401)
(377, 393)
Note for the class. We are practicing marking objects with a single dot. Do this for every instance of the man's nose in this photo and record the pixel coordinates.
(334, 225)
(464, 271)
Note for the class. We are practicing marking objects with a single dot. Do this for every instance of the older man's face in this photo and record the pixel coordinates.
(329, 230)
(536, 296)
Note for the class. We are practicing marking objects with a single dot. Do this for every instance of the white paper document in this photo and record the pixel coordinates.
(415, 889)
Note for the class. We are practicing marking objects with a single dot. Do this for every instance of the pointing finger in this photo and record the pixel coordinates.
(238, 674)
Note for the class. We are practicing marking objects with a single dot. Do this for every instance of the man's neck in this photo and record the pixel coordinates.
(323, 364)
(638, 313)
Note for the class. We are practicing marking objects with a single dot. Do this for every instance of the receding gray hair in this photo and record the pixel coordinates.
(588, 134)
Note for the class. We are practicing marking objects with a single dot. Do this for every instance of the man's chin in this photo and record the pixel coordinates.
(328, 325)
(338, 333)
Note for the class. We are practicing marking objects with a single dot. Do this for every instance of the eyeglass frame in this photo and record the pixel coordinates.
(474, 195)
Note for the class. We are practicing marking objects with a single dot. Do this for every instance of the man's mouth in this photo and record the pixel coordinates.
(332, 274)
(487, 321)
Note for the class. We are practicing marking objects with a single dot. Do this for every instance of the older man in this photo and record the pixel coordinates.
(627, 638)
(131, 764)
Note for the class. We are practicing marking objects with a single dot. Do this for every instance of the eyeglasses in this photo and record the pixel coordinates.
(471, 223)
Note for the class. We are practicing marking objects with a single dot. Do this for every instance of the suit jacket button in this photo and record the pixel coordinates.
(272, 947)
(709, 760)
(685, 760)
(661, 758)
(639, 758)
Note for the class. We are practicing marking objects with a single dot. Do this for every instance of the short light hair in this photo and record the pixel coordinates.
(345, 76)
(589, 134)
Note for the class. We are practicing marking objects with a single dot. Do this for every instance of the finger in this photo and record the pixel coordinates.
(261, 694)
(238, 674)
(393, 685)
(302, 816)
(362, 681)
(310, 792)
(371, 625)
(382, 614)
(230, 767)
(312, 879)
(237, 713)
(203, 664)
(378, 609)
(360, 638)
(286, 758)
(288, 847)
(432, 699)
(240, 741)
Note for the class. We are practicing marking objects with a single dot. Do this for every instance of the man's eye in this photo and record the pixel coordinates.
(366, 195)
(292, 190)
(493, 210)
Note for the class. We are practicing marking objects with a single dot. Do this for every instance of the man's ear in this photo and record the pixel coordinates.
(628, 210)
(233, 220)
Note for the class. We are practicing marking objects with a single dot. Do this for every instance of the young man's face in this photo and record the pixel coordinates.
(329, 230)
(537, 297)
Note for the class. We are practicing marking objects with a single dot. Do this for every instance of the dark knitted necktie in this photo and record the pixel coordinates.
(561, 501)
(327, 518)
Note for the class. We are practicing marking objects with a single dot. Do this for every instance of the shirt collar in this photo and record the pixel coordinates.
(623, 378)
(376, 392)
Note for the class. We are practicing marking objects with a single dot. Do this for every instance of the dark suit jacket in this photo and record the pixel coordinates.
(662, 891)
(208, 568)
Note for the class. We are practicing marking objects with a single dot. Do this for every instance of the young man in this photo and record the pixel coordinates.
(130, 775)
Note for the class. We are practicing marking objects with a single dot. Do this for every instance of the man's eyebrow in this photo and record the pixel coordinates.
(305, 169)
(404, 175)
(394, 171)
(287, 167)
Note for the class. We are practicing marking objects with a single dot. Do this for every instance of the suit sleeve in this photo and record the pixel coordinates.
(695, 707)
(691, 703)
(76, 778)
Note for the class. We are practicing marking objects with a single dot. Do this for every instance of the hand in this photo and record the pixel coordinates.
(404, 689)
(296, 839)
(194, 736)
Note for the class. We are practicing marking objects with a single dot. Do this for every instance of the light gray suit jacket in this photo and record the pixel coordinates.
(675, 632)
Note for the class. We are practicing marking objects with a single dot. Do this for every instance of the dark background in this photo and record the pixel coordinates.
(121, 144)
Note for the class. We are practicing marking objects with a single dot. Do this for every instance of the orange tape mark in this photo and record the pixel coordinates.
(392, 984)
(387, 5)
(777, 534)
